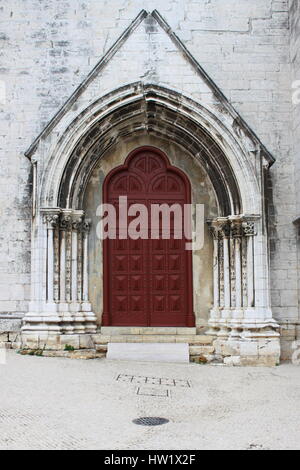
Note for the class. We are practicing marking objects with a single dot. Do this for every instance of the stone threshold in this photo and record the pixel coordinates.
(144, 331)
(154, 338)
(200, 346)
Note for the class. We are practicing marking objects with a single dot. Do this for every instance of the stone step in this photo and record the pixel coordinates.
(161, 331)
(131, 351)
(196, 340)
(154, 352)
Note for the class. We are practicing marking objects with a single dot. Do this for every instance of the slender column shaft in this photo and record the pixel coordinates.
(56, 265)
(50, 268)
(238, 273)
(221, 271)
(232, 260)
(227, 296)
(69, 245)
(244, 272)
(85, 267)
(250, 272)
(216, 274)
(80, 267)
(74, 266)
(44, 266)
(51, 218)
(63, 266)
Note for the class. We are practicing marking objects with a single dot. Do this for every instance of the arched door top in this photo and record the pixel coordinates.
(147, 170)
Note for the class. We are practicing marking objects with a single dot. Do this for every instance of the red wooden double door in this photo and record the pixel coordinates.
(147, 282)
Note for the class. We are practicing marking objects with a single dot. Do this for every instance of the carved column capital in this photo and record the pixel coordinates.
(215, 232)
(226, 230)
(236, 226)
(77, 221)
(86, 227)
(237, 229)
(220, 228)
(52, 221)
(65, 222)
(51, 217)
(249, 229)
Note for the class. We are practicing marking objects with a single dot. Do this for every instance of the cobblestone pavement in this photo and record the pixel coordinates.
(72, 404)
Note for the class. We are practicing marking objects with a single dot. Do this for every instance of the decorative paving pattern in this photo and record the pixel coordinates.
(153, 392)
(137, 380)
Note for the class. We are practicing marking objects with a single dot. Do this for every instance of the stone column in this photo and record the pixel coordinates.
(249, 233)
(221, 313)
(234, 269)
(64, 306)
(215, 312)
(42, 319)
(56, 274)
(52, 221)
(226, 232)
(245, 326)
(90, 319)
(65, 230)
(76, 306)
(237, 235)
(225, 253)
(76, 230)
(237, 273)
(86, 230)
(216, 270)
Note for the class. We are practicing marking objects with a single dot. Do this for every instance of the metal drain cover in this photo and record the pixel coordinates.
(150, 421)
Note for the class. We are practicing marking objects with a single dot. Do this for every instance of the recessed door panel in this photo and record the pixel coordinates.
(148, 282)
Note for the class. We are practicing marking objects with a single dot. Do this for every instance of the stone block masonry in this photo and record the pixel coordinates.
(291, 329)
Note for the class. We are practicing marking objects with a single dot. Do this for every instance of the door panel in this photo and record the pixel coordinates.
(147, 282)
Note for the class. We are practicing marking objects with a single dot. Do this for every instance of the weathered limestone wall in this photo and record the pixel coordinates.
(295, 59)
(292, 329)
(47, 48)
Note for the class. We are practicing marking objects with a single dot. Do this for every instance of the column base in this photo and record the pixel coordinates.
(255, 352)
(45, 330)
(39, 341)
(245, 342)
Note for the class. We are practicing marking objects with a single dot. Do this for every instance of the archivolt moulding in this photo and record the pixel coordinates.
(137, 107)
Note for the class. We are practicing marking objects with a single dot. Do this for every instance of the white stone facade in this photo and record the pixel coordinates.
(244, 47)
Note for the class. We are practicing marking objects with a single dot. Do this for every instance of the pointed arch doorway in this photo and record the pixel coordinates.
(147, 282)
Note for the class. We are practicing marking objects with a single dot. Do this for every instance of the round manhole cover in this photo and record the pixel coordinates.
(150, 421)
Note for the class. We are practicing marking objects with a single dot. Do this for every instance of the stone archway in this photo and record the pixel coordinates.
(241, 314)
